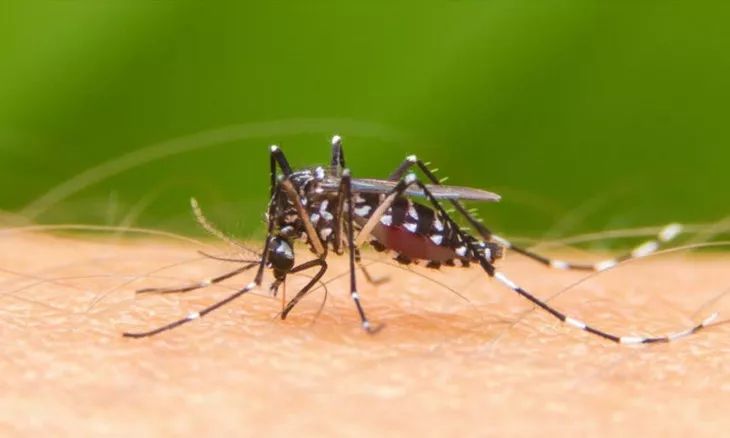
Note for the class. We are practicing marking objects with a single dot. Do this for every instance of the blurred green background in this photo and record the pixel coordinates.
(584, 115)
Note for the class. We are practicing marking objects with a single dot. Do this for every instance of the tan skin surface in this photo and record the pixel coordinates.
(441, 365)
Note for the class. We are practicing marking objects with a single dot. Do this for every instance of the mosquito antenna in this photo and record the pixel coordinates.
(214, 231)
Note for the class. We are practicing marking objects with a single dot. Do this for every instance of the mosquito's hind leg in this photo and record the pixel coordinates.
(473, 250)
(644, 249)
(665, 235)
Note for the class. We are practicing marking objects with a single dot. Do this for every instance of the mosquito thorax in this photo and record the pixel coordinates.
(319, 205)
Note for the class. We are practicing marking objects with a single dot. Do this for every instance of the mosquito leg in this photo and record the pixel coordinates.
(197, 315)
(338, 162)
(667, 234)
(199, 285)
(646, 248)
(340, 207)
(347, 183)
(306, 265)
(192, 316)
(499, 276)
(271, 214)
(411, 161)
(404, 167)
(277, 157)
(583, 326)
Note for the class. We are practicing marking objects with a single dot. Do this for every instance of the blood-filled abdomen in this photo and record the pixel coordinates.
(411, 245)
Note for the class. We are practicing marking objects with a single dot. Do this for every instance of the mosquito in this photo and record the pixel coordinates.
(329, 210)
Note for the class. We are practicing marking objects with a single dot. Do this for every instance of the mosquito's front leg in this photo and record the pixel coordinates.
(192, 316)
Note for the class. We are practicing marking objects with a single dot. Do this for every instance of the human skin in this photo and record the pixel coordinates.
(480, 364)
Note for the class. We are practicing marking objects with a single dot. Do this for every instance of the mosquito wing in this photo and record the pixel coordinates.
(365, 185)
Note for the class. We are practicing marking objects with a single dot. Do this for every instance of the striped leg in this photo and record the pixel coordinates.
(503, 279)
(338, 154)
(667, 234)
(337, 162)
(346, 180)
(201, 284)
(192, 316)
(277, 157)
(583, 326)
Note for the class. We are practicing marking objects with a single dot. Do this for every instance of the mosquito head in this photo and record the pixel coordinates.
(281, 257)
